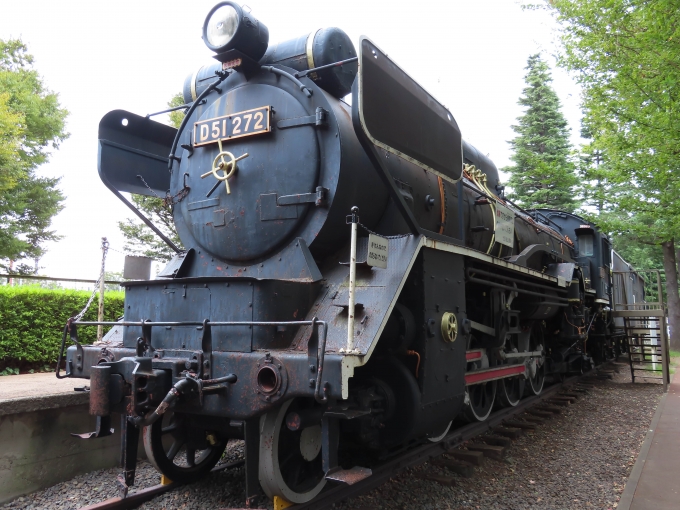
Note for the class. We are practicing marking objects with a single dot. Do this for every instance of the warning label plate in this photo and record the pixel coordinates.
(377, 251)
(505, 225)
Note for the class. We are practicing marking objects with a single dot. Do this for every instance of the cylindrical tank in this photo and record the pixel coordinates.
(322, 47)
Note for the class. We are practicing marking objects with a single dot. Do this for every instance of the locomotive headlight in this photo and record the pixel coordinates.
(221, 26)
(228, 27)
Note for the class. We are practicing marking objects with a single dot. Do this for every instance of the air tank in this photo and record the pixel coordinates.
(322, 47)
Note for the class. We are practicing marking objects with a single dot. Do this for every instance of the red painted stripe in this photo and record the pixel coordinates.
(473, 355)
(493, 373)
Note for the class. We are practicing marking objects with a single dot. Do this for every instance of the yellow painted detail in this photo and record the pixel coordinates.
(449, 327)
(280, 503)
(165, 480)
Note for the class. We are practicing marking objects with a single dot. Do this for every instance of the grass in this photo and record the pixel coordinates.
(675, 360)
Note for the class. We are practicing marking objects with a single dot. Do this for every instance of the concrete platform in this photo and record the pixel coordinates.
(38, 412)
(653, 482)
(31, 385)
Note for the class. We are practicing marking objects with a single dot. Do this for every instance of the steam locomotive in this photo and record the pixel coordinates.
(352, 278)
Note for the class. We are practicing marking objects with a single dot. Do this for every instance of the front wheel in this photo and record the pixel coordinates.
(290, 461)
(182, 453)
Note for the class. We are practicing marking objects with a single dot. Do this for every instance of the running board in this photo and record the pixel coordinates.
(492, 374)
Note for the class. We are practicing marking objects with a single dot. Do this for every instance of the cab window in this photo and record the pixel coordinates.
(585, 245)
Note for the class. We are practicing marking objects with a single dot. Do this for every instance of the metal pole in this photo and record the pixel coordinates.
(354, 220)
(665, 361)
(100, 314)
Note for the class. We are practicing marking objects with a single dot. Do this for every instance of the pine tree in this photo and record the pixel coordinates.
(542, 174)
(31, 124)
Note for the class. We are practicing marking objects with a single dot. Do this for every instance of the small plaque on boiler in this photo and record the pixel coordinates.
(505, 225)
(377, 251)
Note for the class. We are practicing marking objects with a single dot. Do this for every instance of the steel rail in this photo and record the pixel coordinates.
(134, 499)
(380, 475)
(427, 452)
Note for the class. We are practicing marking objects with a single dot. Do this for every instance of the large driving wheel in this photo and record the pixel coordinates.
(290, 461)
(182, 453)
(536, 365)
(510, 391)
(479, 401)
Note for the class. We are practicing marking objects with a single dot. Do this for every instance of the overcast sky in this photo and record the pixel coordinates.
(134, 55)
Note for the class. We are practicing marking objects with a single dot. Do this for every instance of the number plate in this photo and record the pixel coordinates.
(235, 125)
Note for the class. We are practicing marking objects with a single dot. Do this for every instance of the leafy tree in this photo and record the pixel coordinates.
(31, 123)
(542, 174)
(140, 239)
(625, 55)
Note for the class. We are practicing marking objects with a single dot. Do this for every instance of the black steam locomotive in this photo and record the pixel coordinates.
(352, 278)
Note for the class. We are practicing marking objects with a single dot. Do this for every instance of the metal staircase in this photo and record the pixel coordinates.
(644, 326)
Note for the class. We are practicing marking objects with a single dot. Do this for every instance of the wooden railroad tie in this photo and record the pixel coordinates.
(545, 415)
(569, 400)
(549, 409)
(558, 402)
(440, 479)
(512, 433)
(462, 468)
(493, 452)
(474, 458)
(525, 425)
(534, 419)
(569, 394)
(496, 440)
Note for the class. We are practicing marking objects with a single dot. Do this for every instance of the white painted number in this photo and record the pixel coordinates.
(237, 125)
(248, 117)
(258, 120)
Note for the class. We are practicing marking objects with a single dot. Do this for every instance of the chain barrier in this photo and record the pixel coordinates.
(168, 199)
(105, 249)
(399, 236)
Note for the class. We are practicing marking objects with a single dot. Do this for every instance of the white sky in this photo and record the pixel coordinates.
(134, 55)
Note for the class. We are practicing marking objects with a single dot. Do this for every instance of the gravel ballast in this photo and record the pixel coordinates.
(580, 459)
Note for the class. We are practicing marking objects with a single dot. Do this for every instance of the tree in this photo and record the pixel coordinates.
(542, 174)
(31, 123)
(625, 55)
(140, 239)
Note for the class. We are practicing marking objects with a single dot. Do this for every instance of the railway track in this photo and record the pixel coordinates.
(500, 422)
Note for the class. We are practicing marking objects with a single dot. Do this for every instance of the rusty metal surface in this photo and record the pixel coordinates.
(349, 476)
(377, 290)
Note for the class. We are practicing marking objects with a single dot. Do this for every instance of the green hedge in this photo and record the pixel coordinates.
(32, 321)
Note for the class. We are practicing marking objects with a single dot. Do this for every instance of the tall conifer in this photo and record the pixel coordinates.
(542, 174)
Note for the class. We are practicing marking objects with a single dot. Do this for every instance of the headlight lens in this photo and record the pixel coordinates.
(222, 26)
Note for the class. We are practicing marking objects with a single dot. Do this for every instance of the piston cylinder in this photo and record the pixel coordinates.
(100, 383)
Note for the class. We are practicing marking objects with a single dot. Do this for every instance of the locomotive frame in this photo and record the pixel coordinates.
(273, 326)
